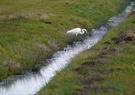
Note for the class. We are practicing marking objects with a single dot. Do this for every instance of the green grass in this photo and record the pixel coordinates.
(118, 68)
(32, 30)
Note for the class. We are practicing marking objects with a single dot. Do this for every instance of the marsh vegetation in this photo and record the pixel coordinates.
(31, 31)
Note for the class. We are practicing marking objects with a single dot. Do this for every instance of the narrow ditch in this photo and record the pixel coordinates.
(31, 83)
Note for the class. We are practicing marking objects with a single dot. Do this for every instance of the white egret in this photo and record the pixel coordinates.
(76, 31)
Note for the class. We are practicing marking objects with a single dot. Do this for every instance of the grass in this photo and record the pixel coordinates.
(112, 72)
(32, 30)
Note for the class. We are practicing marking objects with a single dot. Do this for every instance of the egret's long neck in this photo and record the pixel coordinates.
(82, 31)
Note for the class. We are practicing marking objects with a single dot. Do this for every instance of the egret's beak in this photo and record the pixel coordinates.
(86, 32)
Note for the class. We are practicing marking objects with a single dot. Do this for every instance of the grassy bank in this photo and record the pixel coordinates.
(106, 69)
(31, 31)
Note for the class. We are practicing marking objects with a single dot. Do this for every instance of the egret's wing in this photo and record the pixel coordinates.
(74, 31)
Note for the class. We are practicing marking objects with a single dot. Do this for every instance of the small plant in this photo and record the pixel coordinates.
(42, 51)
(53, 45)
(11, 65)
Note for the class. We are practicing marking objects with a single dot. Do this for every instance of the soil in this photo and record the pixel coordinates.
(92, 63)
(89, 81)
(81, 93)
(133, 21)
(99, 60)
(99, 89)
(109, 71)
(124, 37)
(107, 43)
(80, 69)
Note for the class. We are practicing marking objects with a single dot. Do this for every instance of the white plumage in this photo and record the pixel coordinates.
(76, 31)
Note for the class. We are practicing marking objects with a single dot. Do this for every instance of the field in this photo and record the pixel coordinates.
(106, 69)
(32, 30)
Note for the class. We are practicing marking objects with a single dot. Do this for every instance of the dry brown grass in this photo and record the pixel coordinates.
(11, 65)
(53, 45)
(42, 52)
